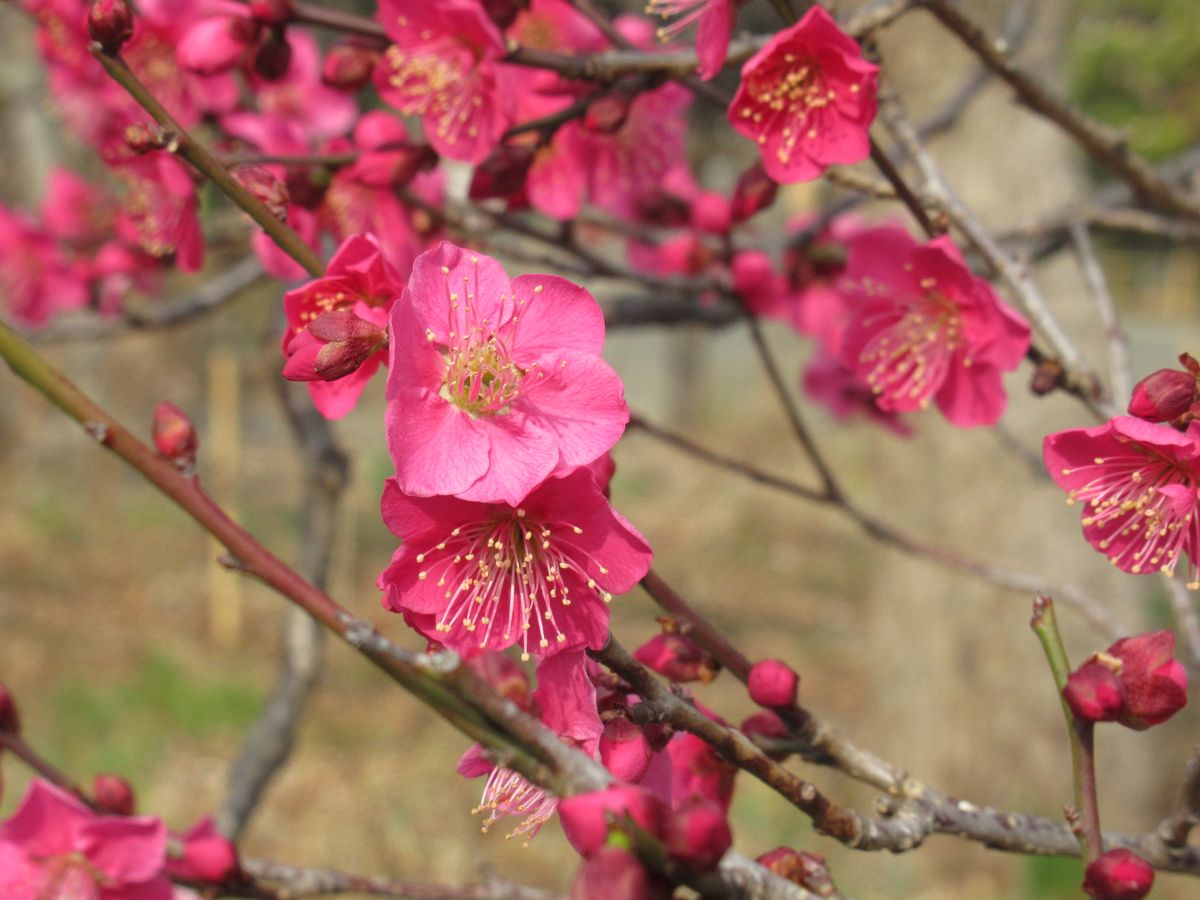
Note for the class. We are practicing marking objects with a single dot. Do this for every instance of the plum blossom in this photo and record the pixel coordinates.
(54, 846)
(807, 98)
(1138, 484)
(495, 385)
(715, 19)
(443, 66)
(925, 328)
(490, 575)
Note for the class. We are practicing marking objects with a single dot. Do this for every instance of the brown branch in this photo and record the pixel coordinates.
(1175, 828)
(1106, 147)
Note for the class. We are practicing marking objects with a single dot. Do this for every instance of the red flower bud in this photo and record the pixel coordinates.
(1163, 396)
(1155, 683)
(262, 184)
(1118, 875)
(349, 64)
(10, 720)
(772, 683)
(624, 750)
(503, 173)
(273, 59)
(615, 873)
(678, 658)
(1094, 691)
(710, 212)
(809, 870)
(110, 24)
(755, 191)
(586, 817)
(113, 795)
(174, 436)
(211, 858)
(332, 346)
(698, 834)
(273, 12)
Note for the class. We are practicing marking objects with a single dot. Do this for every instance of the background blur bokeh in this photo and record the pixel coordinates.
(130, 651)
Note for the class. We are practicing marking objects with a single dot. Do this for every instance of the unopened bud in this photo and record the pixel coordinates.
(262, 184)
(332, 346)
(503, 173)
(624, 750)
(10, 721)
(504, 12)
(1118, 875)
(113, 795)
(273, 12)
(145, 138)
(1094, 692)
(678, 658)
(211, 858)
(273, 59)
(755, 191)
(710, 212)
(698, 834)
(349, 64)
(772, 683)
(174, 436)
(1164, 396)
(1047, 377)
(110, 24)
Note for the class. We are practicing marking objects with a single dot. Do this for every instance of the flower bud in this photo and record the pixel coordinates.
(678, 658)
(698, 834)
(349, 64)
(624, 750)
(615, 873)
(332, 346)
(586, 817)
(710, 212)
(261, 183)
(503, 173)
(755, 191)
(1118, 875)
(113, 795)
(772, 683)
(1155, 683)
(1163, 396)
(273, 12)
(174, 436)
(1094, 692)
(211, 858)
(110, 24)
(10, 720)
(273, 59)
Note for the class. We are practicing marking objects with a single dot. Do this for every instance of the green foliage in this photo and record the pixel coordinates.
(1133, 64)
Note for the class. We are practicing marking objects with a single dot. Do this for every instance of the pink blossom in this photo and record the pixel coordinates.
(358, 280)
(495, 384)
(924, 327)
(624, 750)
(216, 44)
(443, 66)
(490, 575)
(587, 817)
(565, 701)
(300, 97)
(37, 280)
(698, 834)
(807, 98)
(712, 35)
(697, 772)
(55, 846)
(160, 209)
(844, 394)
(1138, 484)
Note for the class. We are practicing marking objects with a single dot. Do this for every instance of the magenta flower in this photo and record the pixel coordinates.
(1155, 682)
(54, 846)
(1138, 485)
(489, 575)
(712, 34)
(495, 385)
(360, 281)
(442, 66)
(807, 98)
(926, 328)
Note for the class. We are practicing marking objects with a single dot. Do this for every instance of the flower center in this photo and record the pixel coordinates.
(506, 575)
(480, 378)
(908, 359)
(1145, 527)
(509, 794)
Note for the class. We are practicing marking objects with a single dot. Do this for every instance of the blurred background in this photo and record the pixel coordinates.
(131, 651)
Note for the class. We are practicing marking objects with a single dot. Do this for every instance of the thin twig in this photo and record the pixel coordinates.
(1115, 338)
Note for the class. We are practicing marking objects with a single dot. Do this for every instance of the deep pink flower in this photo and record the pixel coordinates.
(36, 279)
(807, 98)
(1118, 875)
(586, 817)
(216, 44)
(55, 846)
(712, 34)
(624, 750)
(698, 834)
(160, 209)
(565, 701)
(360, 281)
(491, 575)
(926, 328)
(697, 771)
(443, 66)
(1155, 682)
(1094, 691)
(495, 384)
(828, 382)
(1138, 486)
(300, 98)
(615, 873)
